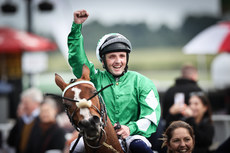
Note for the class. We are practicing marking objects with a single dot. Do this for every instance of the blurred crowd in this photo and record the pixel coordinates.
(187, 102)
(41, 127)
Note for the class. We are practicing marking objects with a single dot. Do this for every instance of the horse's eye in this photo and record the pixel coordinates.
(72, 80)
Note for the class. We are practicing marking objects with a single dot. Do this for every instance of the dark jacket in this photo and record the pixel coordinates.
(15, 134)
(38, 141)
(204, 133)
(51, 138)
(183, 85)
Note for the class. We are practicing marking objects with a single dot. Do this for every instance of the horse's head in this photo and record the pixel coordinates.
(83, 107)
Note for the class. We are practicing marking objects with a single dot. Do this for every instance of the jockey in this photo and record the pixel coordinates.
(132, 100)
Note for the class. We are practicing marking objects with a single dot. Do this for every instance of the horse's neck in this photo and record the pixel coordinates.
(111, 145)
(112, 139)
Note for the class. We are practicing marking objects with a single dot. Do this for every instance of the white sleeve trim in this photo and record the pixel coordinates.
(143, 124)
(152, 117)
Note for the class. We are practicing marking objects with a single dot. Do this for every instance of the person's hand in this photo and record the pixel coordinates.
(80, 16)
(187, 112)
(124, 131)
(177, 109)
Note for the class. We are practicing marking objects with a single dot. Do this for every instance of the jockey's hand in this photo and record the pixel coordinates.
(124, 131)
(80, 16)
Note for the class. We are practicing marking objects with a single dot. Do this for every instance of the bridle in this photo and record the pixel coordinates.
(102, 111)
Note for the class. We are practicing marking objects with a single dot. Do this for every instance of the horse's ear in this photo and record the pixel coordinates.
(85, 73)
(60, 82)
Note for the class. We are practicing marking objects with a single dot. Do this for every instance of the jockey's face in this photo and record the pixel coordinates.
(116, 62)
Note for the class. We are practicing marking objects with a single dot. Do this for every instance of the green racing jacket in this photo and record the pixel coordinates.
(132, 100)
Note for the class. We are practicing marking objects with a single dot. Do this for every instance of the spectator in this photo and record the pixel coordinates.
(179, 138)
(48, 136)
(20, 134)
(184, 85)
(198, 115)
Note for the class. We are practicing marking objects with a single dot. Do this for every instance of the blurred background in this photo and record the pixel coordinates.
(158, 31)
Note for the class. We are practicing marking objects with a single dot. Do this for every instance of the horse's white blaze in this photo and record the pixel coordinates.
(76, 93)
(84, 111)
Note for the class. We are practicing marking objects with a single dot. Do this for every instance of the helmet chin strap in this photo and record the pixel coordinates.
(106, 67)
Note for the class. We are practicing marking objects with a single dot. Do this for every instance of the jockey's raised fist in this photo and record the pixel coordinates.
(80, 16)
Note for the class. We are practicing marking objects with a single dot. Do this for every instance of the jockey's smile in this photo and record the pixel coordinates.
(116, 62)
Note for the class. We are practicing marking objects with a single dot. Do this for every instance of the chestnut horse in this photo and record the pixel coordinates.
(87, 113)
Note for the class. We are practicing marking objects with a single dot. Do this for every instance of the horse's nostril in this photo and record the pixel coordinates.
(92, 122)
(83, 124)
(96, 119)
